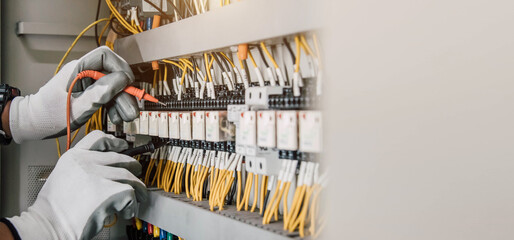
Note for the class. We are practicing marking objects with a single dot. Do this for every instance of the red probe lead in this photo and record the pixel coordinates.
(139, 93)
(136, 92)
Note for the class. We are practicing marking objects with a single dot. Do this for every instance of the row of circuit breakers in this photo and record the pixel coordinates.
(261, 133)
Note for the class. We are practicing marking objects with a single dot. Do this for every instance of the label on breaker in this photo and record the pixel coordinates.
(127, 127)
(174, 125)
(239, 143)
(163, 125)
(287, 130)
(266, 125)
(248, 124)
(185, 126)
(310, 131)
(153, 126)
(212, 126)
(135, 126)
(111, 127)
(143, 122)
(199, 125)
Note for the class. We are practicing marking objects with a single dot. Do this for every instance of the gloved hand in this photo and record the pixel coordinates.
(87, 185)
(43, 115)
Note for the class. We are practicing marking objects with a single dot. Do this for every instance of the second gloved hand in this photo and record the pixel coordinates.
(43, 115)
(87, 185)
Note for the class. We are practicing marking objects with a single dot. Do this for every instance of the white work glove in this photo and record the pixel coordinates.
(43, 115)
(87, 185)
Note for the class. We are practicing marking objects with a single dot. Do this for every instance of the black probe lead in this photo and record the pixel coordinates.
(149, 147)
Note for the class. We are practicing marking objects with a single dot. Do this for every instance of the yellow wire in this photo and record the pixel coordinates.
(298, 53)
(300, 221)
(305, 45)
(251, 58)
(165, 72)
(75, 135)
(183, 76)
(286, 193)
(263, 46)
(105, 28)
(113, 222)
(228, 59)
(159, 77)
(118, 16)
(58, 147)
(59, 153)
(187, 64)
(154, 83)
(186, 61)
(241, 64)
(314, 206)
(75, 42)
(271, 203)
(207, 67)
(295, 208)
(174, 63)
(172, 174)
(165, 175)
(247, 195)
(211, 63)
(255, 193)
(87, 127)
(188, 170)
(264, 184)
(100, 117)
(316, 46)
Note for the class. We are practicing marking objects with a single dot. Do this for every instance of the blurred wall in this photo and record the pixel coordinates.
(420, 101)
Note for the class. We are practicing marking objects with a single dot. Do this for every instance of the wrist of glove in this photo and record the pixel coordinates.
(87, 185)
(43, 115)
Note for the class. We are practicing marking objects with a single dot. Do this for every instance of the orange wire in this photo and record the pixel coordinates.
(88, 73)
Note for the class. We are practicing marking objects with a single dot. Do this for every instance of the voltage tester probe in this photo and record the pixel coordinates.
(138, 93)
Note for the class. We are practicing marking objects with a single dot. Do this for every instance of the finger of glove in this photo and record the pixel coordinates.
(102, 91)
(112, 159)
(122, 202)
(103, 59)
(82, 84)
(129, 211)
(102, 142)
(126, 106)
(114, 116)
(124, 176)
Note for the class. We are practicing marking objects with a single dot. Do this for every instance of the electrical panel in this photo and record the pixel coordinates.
(241, 121)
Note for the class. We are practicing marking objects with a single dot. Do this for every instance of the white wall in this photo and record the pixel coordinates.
(421, 97)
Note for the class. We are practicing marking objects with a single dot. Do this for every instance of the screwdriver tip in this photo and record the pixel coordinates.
(162, 103)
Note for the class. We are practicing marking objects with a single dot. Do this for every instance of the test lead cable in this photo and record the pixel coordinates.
(140, 94)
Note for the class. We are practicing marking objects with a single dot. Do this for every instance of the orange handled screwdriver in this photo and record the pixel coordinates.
(136, 92)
